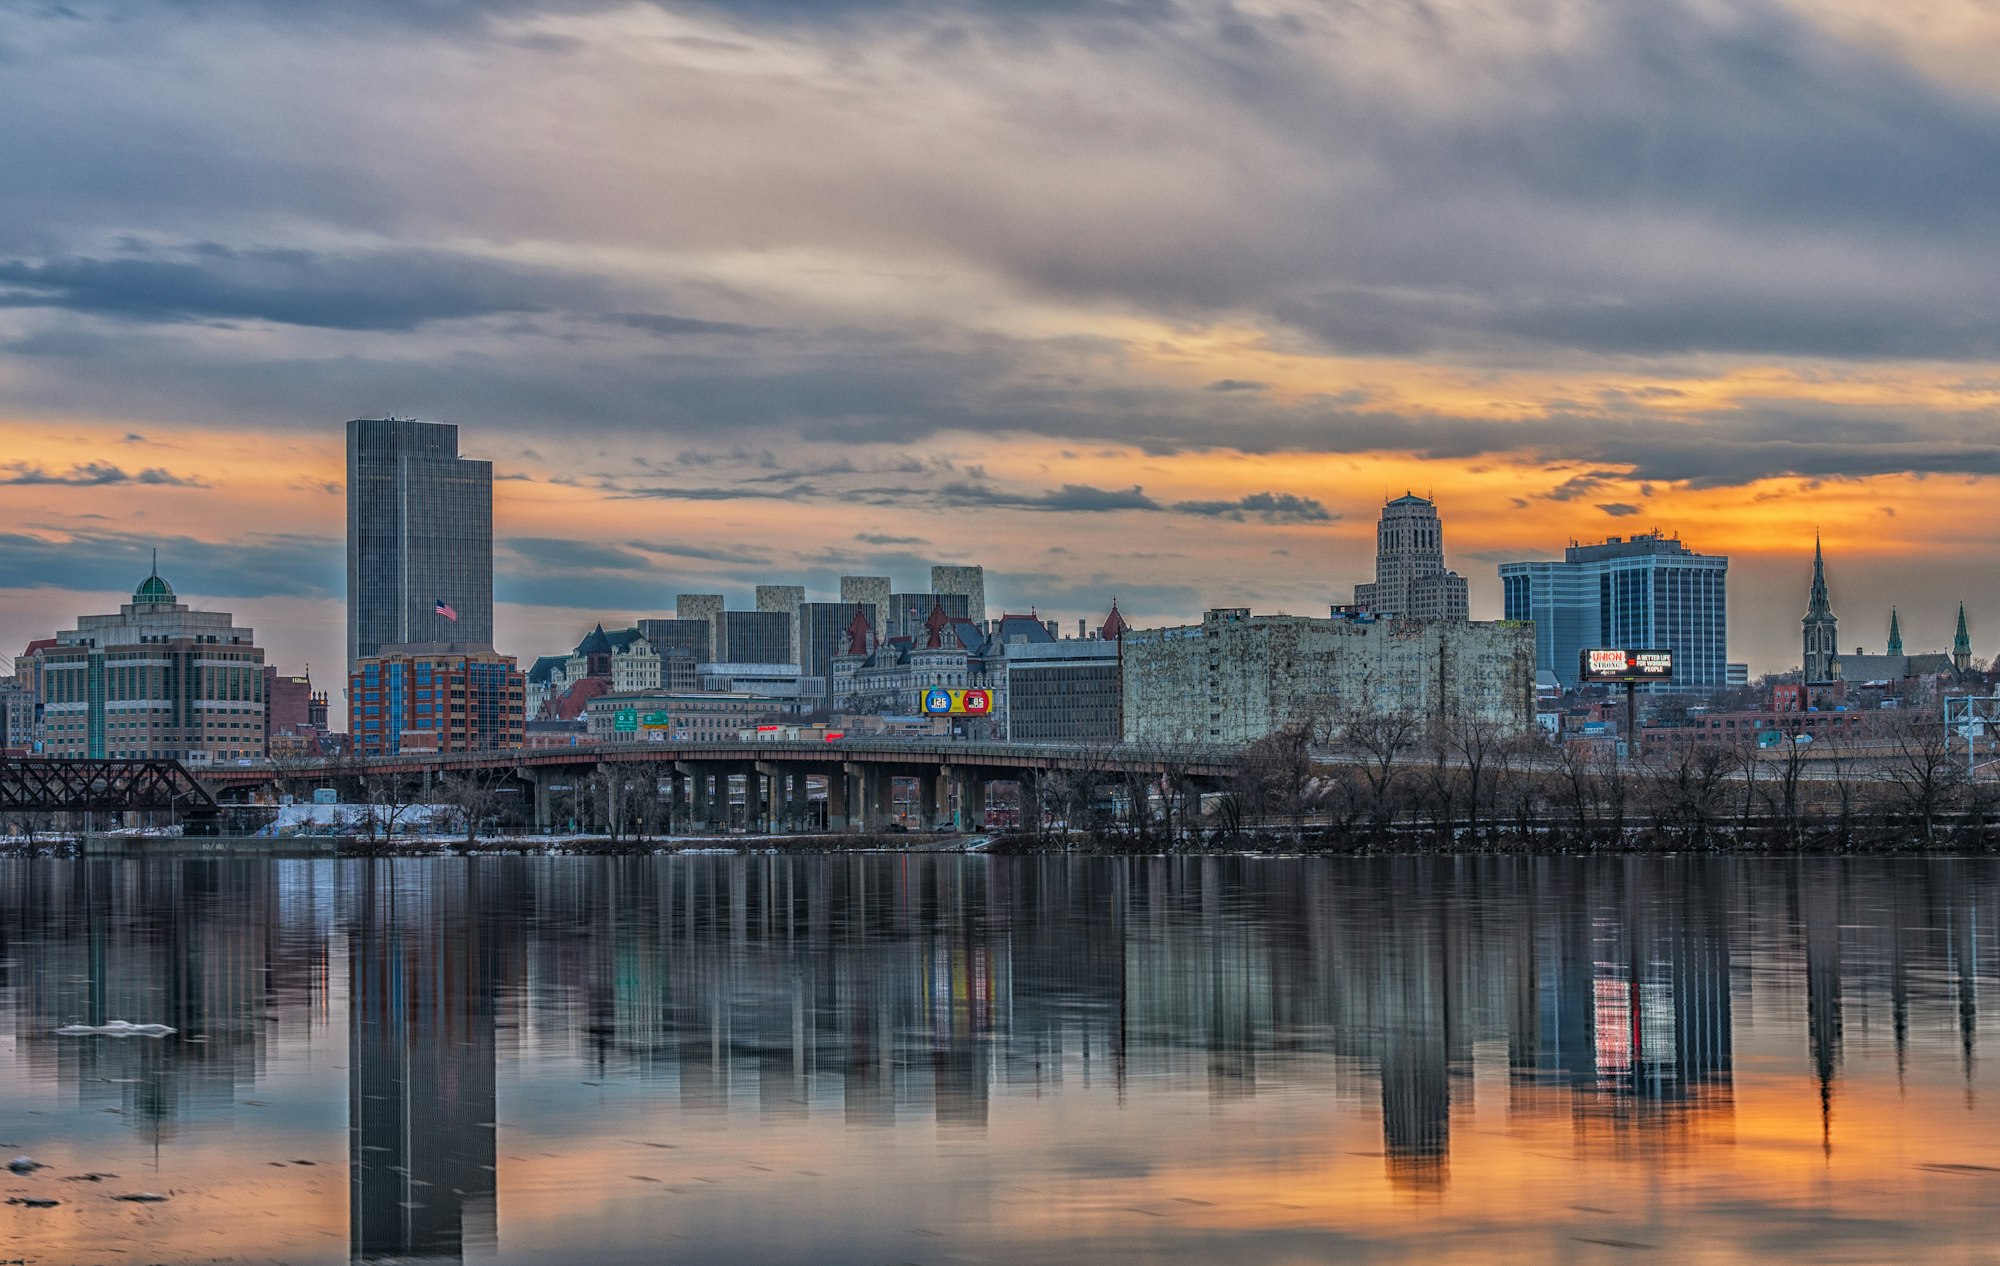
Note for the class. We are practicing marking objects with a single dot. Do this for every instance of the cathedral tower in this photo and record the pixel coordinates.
(1821, 629)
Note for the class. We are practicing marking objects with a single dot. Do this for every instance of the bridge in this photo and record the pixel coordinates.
(45, 785)
(779, 784)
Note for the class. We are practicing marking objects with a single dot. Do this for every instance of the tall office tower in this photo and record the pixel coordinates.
(419, 538)
(787, 599)
(703, 606)
(1647, 592)
(693, 638)
(1410, 576)
(872, 590)
(1822, 636)
(967, 580)
(754, 637)
(822, 634)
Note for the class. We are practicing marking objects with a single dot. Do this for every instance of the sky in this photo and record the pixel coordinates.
(1148, 299)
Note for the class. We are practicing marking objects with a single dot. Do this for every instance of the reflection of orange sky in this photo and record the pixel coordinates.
(1060, 1173)
(1893, 539)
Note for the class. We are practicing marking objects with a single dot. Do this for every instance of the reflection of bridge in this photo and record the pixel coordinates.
(775, 782)
(44, 785)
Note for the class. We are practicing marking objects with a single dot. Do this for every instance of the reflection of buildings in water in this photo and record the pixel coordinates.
(421, 1095)
(198, 945)
(1625, 1006)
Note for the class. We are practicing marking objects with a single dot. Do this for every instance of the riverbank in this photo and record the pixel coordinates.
(1958, 839)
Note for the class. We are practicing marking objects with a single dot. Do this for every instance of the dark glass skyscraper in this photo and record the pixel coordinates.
(419, 538)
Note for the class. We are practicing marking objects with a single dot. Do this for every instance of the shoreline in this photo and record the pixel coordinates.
(1637, 843)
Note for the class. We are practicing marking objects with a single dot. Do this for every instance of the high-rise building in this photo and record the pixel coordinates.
(1821, 629)
(1648, 592)
(966, 580)
(436, 697)
(873, 590)
(694, 638)
(156, 680)
(786, 599)
(823, 634)
(754, 637)
(1411, 579)
(419, 538)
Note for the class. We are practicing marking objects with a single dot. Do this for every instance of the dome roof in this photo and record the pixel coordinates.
(153, 591)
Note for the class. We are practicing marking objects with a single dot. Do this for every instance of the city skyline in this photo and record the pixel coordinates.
(527, 629)
(1181, 291)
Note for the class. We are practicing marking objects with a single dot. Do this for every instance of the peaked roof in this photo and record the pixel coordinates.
(1819, 608)
(1114, 625)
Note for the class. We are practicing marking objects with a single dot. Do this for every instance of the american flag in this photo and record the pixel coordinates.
(444, 609)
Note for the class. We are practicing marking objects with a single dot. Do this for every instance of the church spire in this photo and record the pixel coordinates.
(1821, 629)
(1961, 645)
(1895, 634)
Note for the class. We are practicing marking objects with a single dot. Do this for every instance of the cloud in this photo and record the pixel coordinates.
(1271, 507)
(1238, 384)
(884, 538)
(1082, 498)
(1618, 509)
(256, 565)
(93, 475)
(561, 554)
(397, 289)
(669, 326)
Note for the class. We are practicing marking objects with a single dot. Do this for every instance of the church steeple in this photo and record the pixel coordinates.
(1821, 629)
(1961, 644)
(1895, 634)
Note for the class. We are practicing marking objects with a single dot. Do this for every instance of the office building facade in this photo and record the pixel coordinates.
(156, 680)
(419, 538)
(1646, 592)
(1411, 579)
(436, 697)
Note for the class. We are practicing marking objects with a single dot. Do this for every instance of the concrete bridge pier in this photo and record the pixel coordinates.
(969, 786)
(837, 799)
(800, 810)
(927, 801)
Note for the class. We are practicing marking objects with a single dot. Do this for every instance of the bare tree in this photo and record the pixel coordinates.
(1276, 775)
(472, 794)
(1922, 771)
(1377, 742)
(1688, 790)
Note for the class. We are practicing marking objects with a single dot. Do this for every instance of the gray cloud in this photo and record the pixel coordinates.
(387, 290)
(254, 566)
(93, 475)
(1618, 509)
(559, 554)
(1666, 181)
(1271, 507)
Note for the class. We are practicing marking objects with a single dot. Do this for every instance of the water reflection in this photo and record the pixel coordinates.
(517, 1033)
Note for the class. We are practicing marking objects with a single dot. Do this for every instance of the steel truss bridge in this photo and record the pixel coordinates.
(52, 785)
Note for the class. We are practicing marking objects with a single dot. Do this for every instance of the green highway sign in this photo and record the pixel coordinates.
(625, 720)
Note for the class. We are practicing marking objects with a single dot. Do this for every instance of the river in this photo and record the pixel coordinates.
(925, 1058)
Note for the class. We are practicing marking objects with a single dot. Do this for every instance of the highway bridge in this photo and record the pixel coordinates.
(774, 786)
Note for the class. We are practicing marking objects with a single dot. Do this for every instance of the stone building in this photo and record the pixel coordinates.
(158, 679)
(1411, 579)
(873, 590)
(1235, 678)
(967, 581)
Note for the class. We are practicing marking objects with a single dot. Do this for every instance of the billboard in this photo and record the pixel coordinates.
(1603, 664)
(969, 703)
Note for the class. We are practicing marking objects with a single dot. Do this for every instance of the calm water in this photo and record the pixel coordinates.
(926, 1059)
